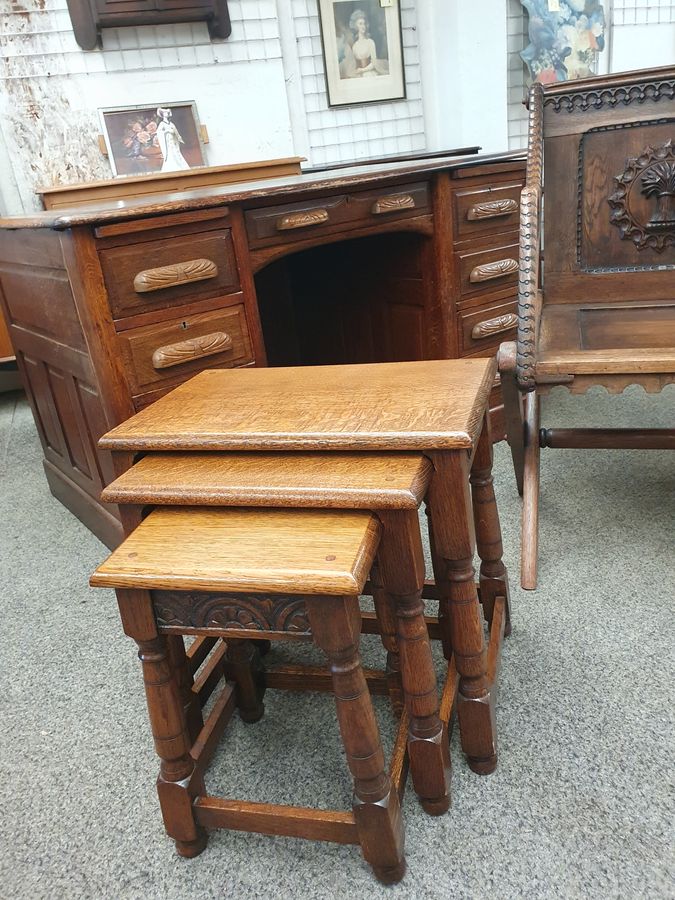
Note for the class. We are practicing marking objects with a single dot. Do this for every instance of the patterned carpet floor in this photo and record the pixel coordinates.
(582, 802)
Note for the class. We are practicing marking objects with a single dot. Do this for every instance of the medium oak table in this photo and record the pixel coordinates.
(438, 407)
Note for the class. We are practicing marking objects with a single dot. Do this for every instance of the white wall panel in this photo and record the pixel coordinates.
(50, 90)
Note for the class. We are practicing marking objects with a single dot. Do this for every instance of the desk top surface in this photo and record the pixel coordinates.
(428, 405)
(213, 196)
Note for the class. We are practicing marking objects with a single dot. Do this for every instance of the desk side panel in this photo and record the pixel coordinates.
(57, 372)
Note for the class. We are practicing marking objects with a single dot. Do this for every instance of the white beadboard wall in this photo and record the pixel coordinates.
(517, 39)
(342, 134)
(50, 91)
(262, 92)
(642, 34)
(644, 12)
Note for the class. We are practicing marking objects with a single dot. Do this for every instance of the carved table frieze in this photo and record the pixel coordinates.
(176, 610)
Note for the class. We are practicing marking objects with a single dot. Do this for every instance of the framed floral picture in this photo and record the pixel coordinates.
(567, 38)
(362, 50)
(141, 140)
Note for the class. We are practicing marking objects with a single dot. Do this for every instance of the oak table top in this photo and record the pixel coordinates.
(427, 405)
(334, 480)
(188, 548)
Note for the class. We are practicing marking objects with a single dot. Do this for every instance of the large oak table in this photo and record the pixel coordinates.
(438, 407)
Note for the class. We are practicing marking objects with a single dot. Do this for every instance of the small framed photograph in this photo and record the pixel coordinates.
(363, 51)
(142, 140)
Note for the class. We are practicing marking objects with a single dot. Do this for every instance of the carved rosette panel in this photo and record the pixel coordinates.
(226, 612)
(643, 203)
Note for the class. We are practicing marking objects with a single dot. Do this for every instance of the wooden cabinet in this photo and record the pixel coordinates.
(89, 16)
(112, 304)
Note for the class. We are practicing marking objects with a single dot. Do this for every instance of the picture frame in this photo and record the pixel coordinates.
(363, 51)
(150, 138)
(566, 40)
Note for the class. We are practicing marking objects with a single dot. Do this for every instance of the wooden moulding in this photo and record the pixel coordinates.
(206, 681)
(69, 195)
(400, 762)
(289, 821)
(268, 818)
(608, 438)
(198, 650)
(317, 678)
(496, 640)
(449, 693)
(205, 746)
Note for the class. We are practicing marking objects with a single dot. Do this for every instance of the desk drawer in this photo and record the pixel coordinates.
(165, 354)
(487, 326)
(486, 210)
(299, 221)
(166, 272)
(483, 270)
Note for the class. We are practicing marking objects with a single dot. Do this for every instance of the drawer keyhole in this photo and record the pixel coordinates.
(184, 325)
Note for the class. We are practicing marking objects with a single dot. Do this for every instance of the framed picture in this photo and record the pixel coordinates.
(567, 40)
(141, 140)
(362, 50)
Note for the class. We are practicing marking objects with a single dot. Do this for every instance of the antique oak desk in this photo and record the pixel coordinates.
(111, 304)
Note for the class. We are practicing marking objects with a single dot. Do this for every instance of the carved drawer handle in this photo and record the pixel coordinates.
(302, 219)
(497, 269)
(494, 326)
(195, 348)
(392, 203)
(177, 273)
(492, 209)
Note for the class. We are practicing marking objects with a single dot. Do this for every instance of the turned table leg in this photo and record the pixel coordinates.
(178, 784)
(443, 607)
(191, 706)
(455, 542)
(244, 667)
(386, 617)
(493, 578)
(336, 627)
(402, 562)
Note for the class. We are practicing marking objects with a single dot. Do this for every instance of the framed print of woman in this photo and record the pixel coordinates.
(362, 51)
(360, 58)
